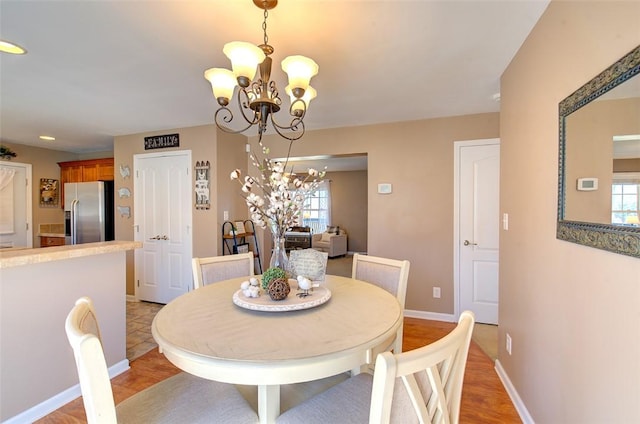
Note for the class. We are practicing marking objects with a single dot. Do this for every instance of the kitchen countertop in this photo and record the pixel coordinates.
(13, 258)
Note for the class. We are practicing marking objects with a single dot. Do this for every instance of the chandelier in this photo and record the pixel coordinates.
(259, 100)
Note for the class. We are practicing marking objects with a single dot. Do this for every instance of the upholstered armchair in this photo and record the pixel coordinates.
(333, 241)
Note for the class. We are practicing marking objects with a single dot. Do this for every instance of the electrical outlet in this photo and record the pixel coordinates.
(508, 344)
(436, 292)
(226, 215)
(505, 221)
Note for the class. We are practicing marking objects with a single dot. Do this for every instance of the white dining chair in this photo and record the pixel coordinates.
(389, 274)
(182, 398)
(219, 268)
(422, 385)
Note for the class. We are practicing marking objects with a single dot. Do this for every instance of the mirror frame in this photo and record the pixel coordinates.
(614, 238)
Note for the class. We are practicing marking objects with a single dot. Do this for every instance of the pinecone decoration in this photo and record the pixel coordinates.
(279, 289)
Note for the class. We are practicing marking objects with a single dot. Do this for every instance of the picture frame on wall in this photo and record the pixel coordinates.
(49, 192)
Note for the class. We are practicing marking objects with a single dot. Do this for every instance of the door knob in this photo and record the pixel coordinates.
(467, 243)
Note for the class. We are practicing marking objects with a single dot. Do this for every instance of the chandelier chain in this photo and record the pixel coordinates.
(264, 26)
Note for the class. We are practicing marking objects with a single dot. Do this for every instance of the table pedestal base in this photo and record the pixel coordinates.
(268, 403)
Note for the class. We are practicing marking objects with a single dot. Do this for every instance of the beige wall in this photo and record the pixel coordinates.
(415, 222)
(349, 206)
(572, 311)
(44, 164)
(232, 155)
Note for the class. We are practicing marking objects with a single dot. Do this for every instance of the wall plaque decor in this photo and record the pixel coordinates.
(124, 171)
(48, 192)
(124, 192)
(124, 211)
(162, 141)
(202, 184)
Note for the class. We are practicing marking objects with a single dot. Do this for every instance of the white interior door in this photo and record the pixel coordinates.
(15, 205)
(477, 235)
(162, 208)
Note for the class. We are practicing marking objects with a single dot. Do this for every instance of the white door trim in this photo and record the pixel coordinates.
(457, 147)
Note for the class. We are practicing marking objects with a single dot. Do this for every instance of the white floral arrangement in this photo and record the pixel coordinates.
(280, 195)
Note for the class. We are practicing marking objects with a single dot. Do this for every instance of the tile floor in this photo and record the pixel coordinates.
(139, 317)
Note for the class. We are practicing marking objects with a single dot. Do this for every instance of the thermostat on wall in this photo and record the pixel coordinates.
(587, 184)
(384, 188)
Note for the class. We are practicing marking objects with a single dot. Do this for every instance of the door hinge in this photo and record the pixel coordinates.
(138, 281)
(27, 225)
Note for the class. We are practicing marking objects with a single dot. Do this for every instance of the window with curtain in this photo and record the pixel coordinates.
(625, 195)
(316, 211)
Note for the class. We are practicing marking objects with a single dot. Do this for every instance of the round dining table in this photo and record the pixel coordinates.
(205, 333)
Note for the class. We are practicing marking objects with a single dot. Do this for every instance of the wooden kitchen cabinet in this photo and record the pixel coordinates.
(79, 171)
(46, 241)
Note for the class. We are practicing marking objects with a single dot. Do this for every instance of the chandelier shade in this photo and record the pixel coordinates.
(223, 83)
(296, 105)
(259, 100)
(300, 69)
(245, 58)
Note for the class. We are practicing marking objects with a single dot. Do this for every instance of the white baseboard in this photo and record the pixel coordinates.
(132, 298)
(513, 394)
(434, 316)
(57, 401)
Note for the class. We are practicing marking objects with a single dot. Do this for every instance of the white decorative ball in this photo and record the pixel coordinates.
(244, 285)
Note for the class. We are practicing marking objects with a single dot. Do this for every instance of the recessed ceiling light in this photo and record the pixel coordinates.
(11, 48)
(47, 137)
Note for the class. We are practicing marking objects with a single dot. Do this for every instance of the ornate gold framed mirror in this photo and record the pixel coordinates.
(599, 160)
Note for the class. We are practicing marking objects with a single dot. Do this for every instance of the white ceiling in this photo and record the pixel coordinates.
(98, 69)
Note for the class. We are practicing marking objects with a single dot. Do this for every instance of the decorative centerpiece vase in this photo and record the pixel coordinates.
(275, 198)
(279, 257)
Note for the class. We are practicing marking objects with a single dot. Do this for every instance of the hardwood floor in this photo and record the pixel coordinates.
(484, 399)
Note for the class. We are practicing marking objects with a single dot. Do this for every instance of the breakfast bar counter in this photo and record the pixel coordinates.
(19, 257)
(38, 288)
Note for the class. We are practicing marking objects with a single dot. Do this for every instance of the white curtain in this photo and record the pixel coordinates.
(6, 200)
(326, 187)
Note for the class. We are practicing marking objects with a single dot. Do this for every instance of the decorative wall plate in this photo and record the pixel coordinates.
(318, 296)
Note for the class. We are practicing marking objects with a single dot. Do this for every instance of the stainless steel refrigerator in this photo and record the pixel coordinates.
(88, 212)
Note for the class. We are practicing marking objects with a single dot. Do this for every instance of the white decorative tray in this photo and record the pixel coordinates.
(317, 297)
